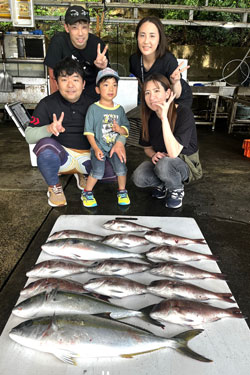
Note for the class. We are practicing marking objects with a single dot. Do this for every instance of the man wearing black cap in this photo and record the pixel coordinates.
(76, 42)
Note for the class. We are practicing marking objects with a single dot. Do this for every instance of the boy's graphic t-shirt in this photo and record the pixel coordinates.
(99, 121)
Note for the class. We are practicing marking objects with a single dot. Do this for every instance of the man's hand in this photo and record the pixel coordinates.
(101, 60)
(56, 126)
(120, 151)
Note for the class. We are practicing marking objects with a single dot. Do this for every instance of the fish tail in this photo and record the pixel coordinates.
(200, 241)
(235, 312)
(227, 297)
(146, 317)
(213, 257)
(182, 345)
(220, 276)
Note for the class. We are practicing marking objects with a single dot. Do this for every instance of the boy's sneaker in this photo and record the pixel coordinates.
(56, 196)
(174, 198)
(88, 199)
(123, 198)
(81, 181)
(159, 192)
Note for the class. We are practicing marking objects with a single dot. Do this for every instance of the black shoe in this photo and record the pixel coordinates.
(159, 192)
(174, 198)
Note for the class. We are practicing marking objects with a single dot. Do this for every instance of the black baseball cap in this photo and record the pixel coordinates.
(76, 13)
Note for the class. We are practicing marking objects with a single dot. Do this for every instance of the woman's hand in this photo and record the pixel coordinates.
(176, 75)
(162, 111)
(157, 156)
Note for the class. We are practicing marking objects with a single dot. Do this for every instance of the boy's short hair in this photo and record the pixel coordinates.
(68, 66)
(105, 74)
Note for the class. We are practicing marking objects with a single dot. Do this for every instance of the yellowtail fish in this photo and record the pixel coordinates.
(75, 338)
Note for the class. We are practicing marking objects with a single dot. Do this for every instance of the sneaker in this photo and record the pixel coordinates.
(88, 199)
(123, 198)
(81, 181)
(159, 192)
(56, 196)
(174, 198)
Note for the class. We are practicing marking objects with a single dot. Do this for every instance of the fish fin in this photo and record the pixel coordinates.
(156, 229)
(66, 356)
(200, 241)
(131, 355)
(146, 311)
(182, 344)
(100, 296)
(220, 276)
(227, 297)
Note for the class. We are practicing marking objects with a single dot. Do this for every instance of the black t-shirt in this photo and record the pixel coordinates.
(73, 121)
(165, 66)
(61, 46)
(184, 132)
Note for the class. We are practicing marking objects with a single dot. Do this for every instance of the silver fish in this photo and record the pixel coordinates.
(70, 233)
(184, 272)
(86, 336)
(124, 240)
(49, 284)
(161, 238)
(57, 268)
(117, 267)
(167, 252)
(190, 313)
(79, 249)
(115, 287)
(67, 303)
(126, 226)
(176, 289)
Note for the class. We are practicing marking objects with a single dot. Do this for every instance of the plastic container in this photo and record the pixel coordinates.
(246, 147)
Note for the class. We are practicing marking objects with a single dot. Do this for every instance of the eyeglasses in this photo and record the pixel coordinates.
(75, 13)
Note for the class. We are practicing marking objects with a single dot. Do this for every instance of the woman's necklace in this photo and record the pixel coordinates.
(142, 68)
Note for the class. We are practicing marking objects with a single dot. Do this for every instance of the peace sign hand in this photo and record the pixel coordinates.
(56, 126)
(176, 75)
(162, 111)
(101, 60)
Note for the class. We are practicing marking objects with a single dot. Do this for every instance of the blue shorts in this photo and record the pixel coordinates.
(98, 166)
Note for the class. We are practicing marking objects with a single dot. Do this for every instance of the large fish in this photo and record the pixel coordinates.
(49, 284)
(124, 240)
(117, 267)
(71, 233)
(190, 313)
(72, 338)
(176, 289)
(184, 272)
(126, 226)
(67, 303)
(57, 268)
(161, 238)
(79, 249)
(115, 286)
(167, 252)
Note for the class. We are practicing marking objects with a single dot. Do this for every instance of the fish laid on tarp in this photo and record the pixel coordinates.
(168, 252)
(117, 267)
(190, 313)
(79, 249)
(184, 272)
(67, 303)
(72, 338)
(126, 226)
(124, 240)
(49, 284)
(57, 268)
(71, 233)
(170, 289)
(115, 286)
(161, 238)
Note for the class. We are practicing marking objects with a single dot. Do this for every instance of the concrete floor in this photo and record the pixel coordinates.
(219, 203)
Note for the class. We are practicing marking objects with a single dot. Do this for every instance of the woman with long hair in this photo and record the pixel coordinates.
(169, 139)
(152, 56)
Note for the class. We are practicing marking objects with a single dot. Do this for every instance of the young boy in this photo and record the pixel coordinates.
(104, 121)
